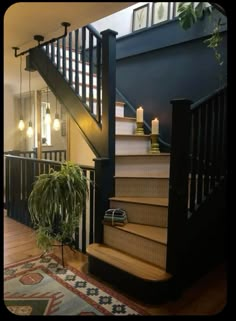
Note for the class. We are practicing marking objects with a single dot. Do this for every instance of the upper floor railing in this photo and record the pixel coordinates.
(21, 173)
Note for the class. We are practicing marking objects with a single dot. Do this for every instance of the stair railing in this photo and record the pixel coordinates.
(198, 169)
(96, 120)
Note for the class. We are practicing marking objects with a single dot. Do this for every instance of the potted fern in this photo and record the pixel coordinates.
(56, 204)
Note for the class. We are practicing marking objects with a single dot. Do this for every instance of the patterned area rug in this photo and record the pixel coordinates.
(42, 286)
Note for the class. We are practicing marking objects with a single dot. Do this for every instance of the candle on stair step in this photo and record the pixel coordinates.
(155, 126)
(139, 115)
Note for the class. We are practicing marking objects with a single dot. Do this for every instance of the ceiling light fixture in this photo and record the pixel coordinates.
(21, 124)
(48, 114)
(56, 122)
(30, 130)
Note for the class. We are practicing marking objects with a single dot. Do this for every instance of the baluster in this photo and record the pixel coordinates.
(58, 55)
(84, 220)
(83, 65)
(52, 52)
(47, 49)
(98, 76)
(64, 57)
(195, 155)
(70, 60)
(77, 61)
(202, 151)
(91, 206)
(208, 148)
(215, 141)
(91, 72)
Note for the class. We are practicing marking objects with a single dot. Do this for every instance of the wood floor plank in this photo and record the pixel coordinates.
(206, 297)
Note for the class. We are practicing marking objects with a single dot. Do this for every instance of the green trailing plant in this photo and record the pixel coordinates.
(56, 204)
(189, 14)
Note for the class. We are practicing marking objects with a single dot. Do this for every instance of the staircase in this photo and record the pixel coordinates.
(172, 210)
(135, 253)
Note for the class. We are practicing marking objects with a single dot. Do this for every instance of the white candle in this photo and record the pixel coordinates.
(155, 126)
(139, 115)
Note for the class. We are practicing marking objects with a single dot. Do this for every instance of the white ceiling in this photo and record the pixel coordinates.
(23, 20)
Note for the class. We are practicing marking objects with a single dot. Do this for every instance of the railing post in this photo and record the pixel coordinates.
(178, 184)
(108, 90)
(105, 166)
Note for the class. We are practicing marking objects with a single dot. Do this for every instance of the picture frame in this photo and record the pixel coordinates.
(160, 12)
(140, 17)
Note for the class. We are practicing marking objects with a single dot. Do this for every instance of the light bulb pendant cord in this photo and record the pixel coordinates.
(21, 124)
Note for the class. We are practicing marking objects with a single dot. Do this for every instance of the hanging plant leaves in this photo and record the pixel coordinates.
(187, 15)
(160, 12)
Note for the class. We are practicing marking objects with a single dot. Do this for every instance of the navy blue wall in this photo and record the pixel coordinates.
(165, 62)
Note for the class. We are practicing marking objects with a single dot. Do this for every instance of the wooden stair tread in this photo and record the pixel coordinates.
(143, 155)
(119, 103)
(127, 263)
(163, 174)
(153, 233)
(160, 201)
(133, 135)
(125, 118)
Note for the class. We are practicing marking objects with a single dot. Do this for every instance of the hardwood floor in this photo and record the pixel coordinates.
(207, 297)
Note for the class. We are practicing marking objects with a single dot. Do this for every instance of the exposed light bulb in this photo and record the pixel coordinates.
(21, 124)
(30, 131)
(56, 123)
(48, 116)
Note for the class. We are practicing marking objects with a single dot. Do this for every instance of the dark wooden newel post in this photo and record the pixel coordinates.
(105, 165)
(178, 184)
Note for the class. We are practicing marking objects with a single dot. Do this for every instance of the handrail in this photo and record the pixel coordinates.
(38, 160)
(208, 97)
(145, 123)
(94, 31)
(48, 161)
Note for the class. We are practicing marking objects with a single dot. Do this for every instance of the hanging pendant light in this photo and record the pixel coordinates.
(48, 115)
(21, 124)
(30, 130)
(56, 122)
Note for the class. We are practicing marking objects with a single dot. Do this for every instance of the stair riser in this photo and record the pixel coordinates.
(119, 111)
(145, 166)
(143, 213)
(142, 248)
(125, 127)
(141, 187)
(129, 145)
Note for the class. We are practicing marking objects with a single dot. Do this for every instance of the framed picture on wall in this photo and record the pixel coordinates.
(140, 17)
(160, 12)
